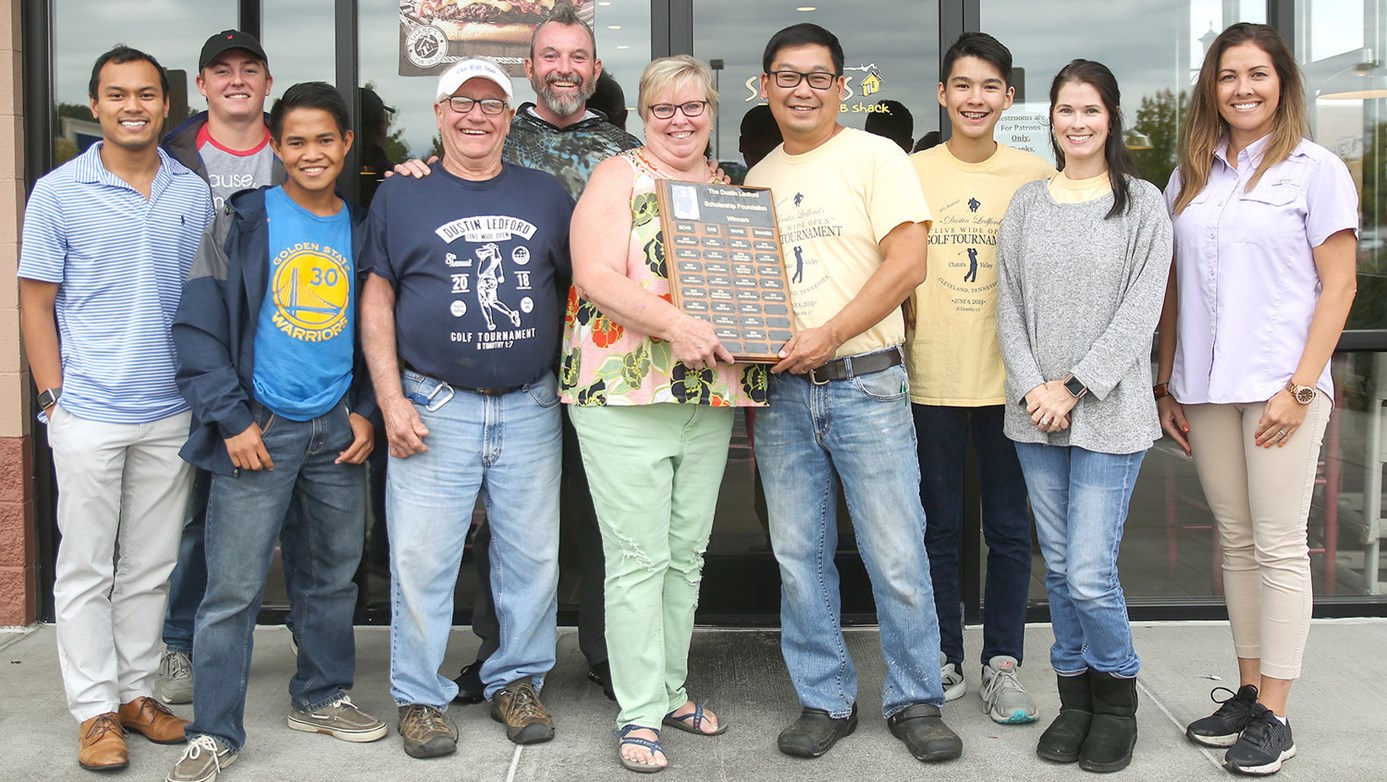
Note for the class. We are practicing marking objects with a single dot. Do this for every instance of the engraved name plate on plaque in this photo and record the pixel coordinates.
(725, 267)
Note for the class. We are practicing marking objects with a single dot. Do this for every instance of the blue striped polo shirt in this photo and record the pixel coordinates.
(119, 261)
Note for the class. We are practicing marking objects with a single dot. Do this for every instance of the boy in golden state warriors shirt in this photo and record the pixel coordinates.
(266, 358)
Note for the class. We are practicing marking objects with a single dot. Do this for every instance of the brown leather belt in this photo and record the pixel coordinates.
(853, 366)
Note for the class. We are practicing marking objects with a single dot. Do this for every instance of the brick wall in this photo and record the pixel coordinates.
(18, 549)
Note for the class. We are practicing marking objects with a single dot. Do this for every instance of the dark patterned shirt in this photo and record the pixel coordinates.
(569, 153)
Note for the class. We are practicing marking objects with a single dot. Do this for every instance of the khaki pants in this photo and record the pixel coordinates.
(122, 495)
(1261, 500)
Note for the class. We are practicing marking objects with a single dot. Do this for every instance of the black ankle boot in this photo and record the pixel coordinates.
(1113, 733)
(1061, 741)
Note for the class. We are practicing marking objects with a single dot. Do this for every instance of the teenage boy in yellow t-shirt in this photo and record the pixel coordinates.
(956, 374)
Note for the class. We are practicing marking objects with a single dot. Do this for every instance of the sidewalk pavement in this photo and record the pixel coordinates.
(1335, 711)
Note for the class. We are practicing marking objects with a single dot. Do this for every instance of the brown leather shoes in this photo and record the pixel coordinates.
(101, 744)
(153, 720)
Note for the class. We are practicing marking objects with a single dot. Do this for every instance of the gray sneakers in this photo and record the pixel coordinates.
(203, 758)
(427, 732)
(340, 719)
(952, 679)
(175, 682)
(1005, 700)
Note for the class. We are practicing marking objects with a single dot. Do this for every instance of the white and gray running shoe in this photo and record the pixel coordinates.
(1005, 700)
(175, 681)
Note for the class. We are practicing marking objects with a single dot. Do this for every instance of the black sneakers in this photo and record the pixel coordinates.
(1263, 745)
(1221, 728)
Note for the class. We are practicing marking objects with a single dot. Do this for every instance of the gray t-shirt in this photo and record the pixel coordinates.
(230, 171)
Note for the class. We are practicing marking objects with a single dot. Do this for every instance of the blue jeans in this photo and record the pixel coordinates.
(858, 431)
(942, 433)
(244, 516)
(188, 583)
(1080, 500)
(509, 449)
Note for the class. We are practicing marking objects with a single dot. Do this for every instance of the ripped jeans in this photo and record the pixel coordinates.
(654, 471)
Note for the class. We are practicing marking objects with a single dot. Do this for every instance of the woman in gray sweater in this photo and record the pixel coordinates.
(1083, 259)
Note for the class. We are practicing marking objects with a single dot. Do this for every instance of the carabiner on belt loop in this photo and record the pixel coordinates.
(434, 402)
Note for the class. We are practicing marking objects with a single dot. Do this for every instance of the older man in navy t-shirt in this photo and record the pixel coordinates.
(466, 269)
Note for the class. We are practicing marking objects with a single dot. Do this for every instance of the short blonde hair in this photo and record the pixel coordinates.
(671, 73)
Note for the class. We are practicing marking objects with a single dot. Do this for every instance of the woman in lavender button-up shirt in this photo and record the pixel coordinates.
(1265, 230)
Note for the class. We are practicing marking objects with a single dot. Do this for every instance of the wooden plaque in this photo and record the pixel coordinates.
(722, 252)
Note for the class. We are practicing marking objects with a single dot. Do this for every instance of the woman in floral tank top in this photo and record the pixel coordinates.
(652, 392)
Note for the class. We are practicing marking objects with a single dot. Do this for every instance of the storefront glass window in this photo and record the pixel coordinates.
(84, 29)
(1341, 46)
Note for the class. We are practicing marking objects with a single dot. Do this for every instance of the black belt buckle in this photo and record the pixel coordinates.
(495, 390)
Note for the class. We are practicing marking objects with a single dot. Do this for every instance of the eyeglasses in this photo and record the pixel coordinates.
(819, 80)
(693, 108)
(464, 105)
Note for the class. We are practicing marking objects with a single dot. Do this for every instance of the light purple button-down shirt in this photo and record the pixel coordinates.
(1246, 271)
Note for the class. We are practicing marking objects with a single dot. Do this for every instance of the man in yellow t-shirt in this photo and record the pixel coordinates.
(956, 372)
(853, 230)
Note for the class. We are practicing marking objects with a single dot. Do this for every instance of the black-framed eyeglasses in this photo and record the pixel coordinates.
(666, 110)
(463, 105)
(819, 80)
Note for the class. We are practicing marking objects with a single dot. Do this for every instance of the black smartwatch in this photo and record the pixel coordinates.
(48, 397)
(1075, 387)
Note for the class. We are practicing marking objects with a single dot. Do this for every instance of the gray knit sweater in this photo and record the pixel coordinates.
(1081, 294)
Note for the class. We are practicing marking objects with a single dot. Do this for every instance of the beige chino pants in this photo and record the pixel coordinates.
(1260, 498)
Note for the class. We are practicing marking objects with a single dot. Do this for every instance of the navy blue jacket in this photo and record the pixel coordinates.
(214, 330)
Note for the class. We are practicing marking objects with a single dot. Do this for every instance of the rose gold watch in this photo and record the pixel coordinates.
(1303, 394)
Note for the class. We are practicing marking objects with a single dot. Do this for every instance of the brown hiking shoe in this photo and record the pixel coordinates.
(427, 732)
(101, 744)
(153, 720)
(518, 706)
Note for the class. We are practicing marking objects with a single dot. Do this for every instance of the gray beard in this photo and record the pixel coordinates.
(564, 105)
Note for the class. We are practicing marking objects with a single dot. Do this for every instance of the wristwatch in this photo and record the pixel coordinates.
(1075, 387)
(48, 396)
(1303, 394)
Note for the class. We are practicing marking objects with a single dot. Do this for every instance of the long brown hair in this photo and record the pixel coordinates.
(1205, 126)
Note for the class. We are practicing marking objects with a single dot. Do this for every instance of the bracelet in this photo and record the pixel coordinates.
(1161, 390)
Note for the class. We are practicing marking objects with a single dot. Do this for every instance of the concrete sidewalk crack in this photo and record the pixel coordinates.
(1151, 696)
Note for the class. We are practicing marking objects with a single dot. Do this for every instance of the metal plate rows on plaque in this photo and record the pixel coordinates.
(722, 251)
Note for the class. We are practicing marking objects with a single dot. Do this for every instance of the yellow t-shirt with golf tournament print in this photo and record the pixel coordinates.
(952, 356)
(835, 204)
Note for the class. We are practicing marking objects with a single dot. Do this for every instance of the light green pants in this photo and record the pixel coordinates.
(654, 471)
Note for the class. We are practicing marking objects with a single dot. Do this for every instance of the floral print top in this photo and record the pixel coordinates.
(606, 364)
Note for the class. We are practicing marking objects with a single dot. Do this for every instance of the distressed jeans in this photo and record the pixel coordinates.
(858, 431)
(654, 471)
(508, 449)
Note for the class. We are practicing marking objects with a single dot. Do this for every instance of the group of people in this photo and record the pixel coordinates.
(501, 318)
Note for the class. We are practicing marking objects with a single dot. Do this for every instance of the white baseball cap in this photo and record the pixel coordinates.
(472, 68)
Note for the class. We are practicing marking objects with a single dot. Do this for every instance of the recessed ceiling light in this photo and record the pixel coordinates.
(613, 27)
(806, 8)
(605, 2)
(623, 46)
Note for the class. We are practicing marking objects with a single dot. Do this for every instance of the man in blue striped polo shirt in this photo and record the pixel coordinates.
(108, 240)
